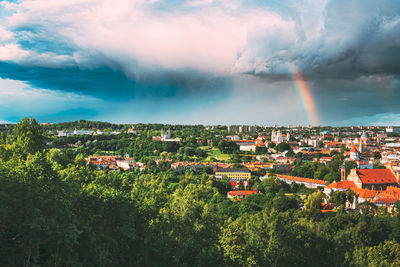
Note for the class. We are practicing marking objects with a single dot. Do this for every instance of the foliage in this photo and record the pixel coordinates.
(57, 211)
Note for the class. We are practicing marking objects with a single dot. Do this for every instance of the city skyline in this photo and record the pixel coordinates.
(201, 62)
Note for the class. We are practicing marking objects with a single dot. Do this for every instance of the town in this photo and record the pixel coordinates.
(171, 194)
(363, 161)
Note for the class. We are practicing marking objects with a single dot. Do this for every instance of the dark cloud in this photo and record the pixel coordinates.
(358, 38)
(107, 83)
(347, 51)
(65, 115)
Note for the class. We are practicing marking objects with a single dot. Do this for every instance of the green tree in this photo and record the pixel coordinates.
(29, 136)
(384, 254)
(314, 200)
(282, 147)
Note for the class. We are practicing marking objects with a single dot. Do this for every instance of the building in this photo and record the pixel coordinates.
(114, 163)
(166, 137)
(362, 164)
(374, 179)
(251, 129)
(310, 183)
(354, 154)
(241, 194)
(361, 195)
(278, 137)
(83, 132)
(182, 166)
(393, 129)
(236, 174)
(132, 130)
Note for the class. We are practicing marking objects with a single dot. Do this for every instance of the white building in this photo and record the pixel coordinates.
(393, 129)
(278, 137)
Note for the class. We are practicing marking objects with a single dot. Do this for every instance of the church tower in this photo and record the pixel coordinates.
(343, 172)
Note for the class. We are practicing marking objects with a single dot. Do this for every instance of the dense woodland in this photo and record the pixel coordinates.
(57, 211)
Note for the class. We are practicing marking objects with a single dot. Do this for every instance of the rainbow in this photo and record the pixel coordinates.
(305, 95)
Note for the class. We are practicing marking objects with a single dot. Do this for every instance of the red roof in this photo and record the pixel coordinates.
(342, 185)
(242, 192)
(233, 184)
(386, 200)
(353, 149)
(394, 191)
(377, 176)
(301, 179)
(364, 193)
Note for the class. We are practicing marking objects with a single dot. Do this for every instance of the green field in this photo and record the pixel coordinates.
(215, 153)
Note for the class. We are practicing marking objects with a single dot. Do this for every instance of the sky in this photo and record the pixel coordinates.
(247, 62)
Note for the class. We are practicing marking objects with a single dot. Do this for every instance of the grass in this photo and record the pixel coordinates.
(215, 153)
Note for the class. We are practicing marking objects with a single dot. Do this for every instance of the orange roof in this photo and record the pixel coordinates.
(364, 193)
(325, 151)
(301, 179)
(376, 176)
(333, 143)
(242, 192)
(353, 149)
(342, 185)
(390, 192)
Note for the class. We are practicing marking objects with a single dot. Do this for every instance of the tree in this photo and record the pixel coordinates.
(223, 186)
(189, 151)
(283, 147)
(271, 145)
(314, 200)
(240, 185)
(29, 136)
(284, 203)
(377, 155)
(384, 254)
(338, 198)
(290, 153)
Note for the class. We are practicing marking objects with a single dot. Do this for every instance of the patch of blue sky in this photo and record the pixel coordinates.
(4, 12)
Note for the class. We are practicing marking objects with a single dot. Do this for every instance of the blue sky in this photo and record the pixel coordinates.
(199, 61)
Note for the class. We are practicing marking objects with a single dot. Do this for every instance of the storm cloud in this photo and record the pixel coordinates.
(209, 54)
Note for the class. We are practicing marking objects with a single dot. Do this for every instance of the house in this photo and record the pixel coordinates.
(354, 154)
(325, 160)
(241, 194)
(132, 130)
(362, 164)
(114, 163)
(361, 195)
(387, 202)
(247, 147)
